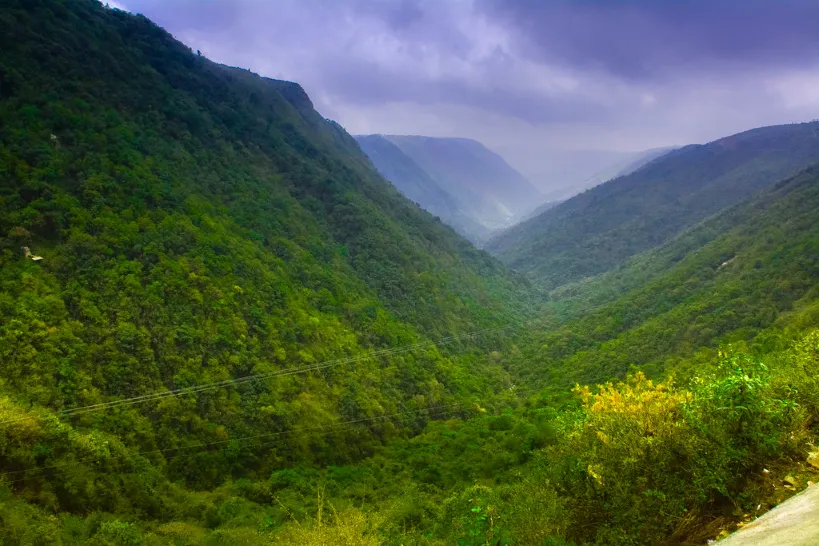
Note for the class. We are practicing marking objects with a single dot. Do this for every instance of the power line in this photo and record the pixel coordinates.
(259, 377)
(328, 429)
(248, 379)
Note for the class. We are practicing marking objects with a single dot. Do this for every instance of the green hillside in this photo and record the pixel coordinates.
(751, 269)
(228, 328)
(602, 227)
(199, 224)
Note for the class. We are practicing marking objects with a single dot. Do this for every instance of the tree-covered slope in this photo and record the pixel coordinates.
(199, 224)
(600, 228)
(418, 186)
(750, 269)
(239, 333)
(486, 188)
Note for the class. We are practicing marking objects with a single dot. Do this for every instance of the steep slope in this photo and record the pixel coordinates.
(752, 269)
(560, 174)
(618, 164)
(640, 159)
(541, 209)
(199, 224)
(602, 227)
(418, 186)
(486, 188)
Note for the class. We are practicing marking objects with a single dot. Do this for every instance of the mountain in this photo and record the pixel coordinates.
(560, 174)
(418, 186)
(226, 287)
(640, 159)
(485, 187)
(220, 325)
(627, 165)
(749, 269)
(705, 355)
(600, 228)
(541, 209)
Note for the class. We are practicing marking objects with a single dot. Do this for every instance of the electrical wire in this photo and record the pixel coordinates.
(259, 377)
(328, 429)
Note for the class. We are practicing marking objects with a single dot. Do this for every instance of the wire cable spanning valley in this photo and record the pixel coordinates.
(161, 395)
(440, 410)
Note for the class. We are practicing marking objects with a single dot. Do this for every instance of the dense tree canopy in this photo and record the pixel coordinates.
(602, 227)
(239, 333)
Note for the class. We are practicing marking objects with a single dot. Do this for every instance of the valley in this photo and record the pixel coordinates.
(247, 326)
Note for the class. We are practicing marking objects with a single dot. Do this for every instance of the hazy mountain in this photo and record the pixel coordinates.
(561, 174)
(485, 187)
(596, 230)
(548, 205)
(627, 165)
(640, 159)
(418, 186)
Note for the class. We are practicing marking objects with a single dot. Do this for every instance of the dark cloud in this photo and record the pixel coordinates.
(405, 14)
(204, 15)
(365, 83)
(650, 38)
(524, 75)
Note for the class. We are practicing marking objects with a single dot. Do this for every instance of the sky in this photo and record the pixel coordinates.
(536, 80)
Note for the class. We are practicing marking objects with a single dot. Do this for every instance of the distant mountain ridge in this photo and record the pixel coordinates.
(626, 166)
(488, 193)
(561, 174)
(600, 228)
(417, 185)
(644, 158)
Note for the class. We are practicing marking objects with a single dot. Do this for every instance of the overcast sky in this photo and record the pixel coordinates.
(524, 76)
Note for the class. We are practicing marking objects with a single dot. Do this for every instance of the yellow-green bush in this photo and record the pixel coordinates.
(641, 458)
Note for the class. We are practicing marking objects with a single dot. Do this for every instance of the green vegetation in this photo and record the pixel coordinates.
(599, 229)
(199, 224)
(239, 333)
(753, 268)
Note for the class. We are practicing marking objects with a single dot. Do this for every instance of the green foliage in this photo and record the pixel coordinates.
(743, 272)
(190, 217)
(640, 449)
(599, 229)
(200, 224)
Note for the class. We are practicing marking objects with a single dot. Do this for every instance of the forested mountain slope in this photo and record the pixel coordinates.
(239, 333)
(418, 186)
(728, 410)
(749, 269)
(627, 165)
(600, 228)
(486, 188)
(199, 224)
(643, 158)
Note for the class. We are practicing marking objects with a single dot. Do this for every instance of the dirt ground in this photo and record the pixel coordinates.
(795, 522)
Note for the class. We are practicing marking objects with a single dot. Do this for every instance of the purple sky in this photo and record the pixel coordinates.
(526, 77)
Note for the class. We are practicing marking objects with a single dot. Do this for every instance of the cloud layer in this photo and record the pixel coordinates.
(525, 75)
